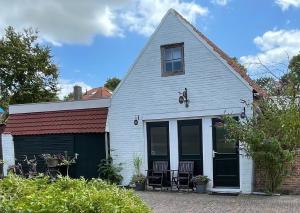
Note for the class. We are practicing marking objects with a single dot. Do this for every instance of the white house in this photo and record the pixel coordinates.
(178, 59)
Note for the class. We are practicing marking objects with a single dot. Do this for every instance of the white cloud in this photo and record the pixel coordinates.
(274, 48)
(66, 87)
(286, 4)
(144, 16)
(220, 2)
(77, 21)
(66, 21)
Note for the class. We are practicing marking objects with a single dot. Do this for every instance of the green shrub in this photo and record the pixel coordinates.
(66, 195)
(109, 171)
(271, 137)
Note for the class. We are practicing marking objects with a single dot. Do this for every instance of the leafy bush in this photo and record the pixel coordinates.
(66, 195)
(200, 180)
(271, 138)
(109, 171)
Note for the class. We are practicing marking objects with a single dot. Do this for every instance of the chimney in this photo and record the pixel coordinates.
(77, 93)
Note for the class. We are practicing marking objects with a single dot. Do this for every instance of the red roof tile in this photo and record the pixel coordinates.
(56, 122)
(97, 93)
(228, 59)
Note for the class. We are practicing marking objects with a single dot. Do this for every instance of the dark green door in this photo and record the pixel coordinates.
(91, 150)
(226, 158)
(190, 143)
(158, 142)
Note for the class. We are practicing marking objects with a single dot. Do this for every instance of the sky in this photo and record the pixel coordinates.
(93, 40)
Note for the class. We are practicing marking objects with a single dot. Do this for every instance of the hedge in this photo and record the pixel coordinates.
(66, 195)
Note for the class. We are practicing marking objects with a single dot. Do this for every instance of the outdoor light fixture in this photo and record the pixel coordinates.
(183, 98)
(243, 113)
(136, 120)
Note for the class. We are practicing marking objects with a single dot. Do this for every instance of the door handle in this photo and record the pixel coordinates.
(214, 153)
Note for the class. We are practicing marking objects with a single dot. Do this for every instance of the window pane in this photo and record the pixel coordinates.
(176, 53)
(221, 144)
(168, 66)
(177, 66)
(168, 54)
(159, 141)
(190, 140)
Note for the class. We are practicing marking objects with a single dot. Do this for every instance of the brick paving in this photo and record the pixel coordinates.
(169, 202)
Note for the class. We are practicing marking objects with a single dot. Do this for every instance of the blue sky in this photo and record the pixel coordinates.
(92, 40)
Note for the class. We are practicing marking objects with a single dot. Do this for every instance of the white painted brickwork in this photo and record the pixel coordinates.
(213, 90)
(8, 152)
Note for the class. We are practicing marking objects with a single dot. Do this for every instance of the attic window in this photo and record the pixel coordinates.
(172, 59)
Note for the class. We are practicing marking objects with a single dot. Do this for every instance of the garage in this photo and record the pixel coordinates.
(80, 131)
(90, 147)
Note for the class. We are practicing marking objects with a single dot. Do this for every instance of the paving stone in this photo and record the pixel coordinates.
(171, 202)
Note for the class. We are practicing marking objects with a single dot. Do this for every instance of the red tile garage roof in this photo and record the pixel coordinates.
(57, 122)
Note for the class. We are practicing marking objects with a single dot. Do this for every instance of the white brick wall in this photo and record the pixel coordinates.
(213, 90)
(246, 173)
(8, 152)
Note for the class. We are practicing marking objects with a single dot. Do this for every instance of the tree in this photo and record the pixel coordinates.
(27, 72)
(269, 84)
(291, 80)
(112, 83)
(69, 97)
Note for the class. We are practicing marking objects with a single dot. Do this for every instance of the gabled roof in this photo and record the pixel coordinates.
(92, 120)
(221, 54)
(97, 93)
(224, 56)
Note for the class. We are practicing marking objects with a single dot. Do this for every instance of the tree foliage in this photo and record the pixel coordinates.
(69, 97)
(287, 84)
(27, 72)
(112, 83)
(269, 84)
(272, 136)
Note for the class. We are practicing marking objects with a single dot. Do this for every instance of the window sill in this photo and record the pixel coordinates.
(167, 74)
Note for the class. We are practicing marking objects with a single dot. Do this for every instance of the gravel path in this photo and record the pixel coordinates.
(191, 202)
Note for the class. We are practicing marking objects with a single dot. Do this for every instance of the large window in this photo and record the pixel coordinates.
(172, 59)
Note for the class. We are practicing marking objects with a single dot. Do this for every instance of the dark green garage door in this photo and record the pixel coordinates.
(90, 147)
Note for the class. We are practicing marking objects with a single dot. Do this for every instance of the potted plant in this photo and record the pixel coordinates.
(66, 160)
(200, 183)
(138, 179)
(109, 171)
(139, 182)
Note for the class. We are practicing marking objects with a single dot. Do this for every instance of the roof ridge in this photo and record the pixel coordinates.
(233, 64)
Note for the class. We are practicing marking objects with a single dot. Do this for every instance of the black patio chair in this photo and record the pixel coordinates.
(157, 175)
(184, 175)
